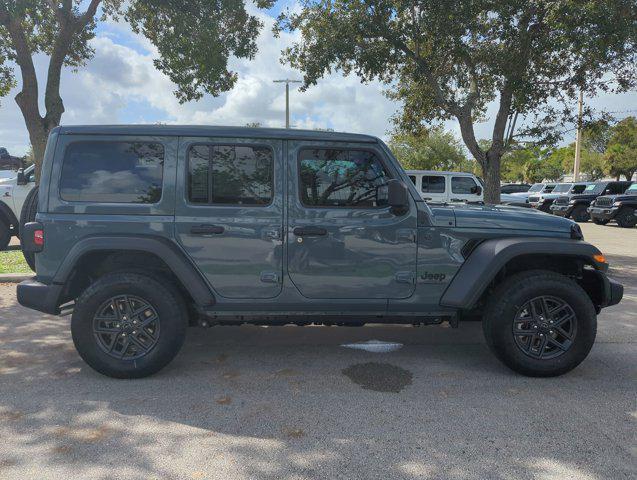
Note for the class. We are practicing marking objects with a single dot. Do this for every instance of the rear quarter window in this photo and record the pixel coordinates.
(112, 172)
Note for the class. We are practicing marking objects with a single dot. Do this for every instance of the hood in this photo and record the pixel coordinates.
(583, 196)
(617, 198)
(507, 217)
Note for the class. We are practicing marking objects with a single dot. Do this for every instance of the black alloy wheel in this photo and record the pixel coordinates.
(126, 327)
(545, 327)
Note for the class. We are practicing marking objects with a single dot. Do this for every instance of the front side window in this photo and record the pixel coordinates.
(230, 174)
(463, 185)
(617, 188)
(413, 179)
(578, 189)
(112, 172)
(342, 178)
(433, 184)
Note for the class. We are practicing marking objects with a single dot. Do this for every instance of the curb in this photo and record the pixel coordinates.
(14, 277)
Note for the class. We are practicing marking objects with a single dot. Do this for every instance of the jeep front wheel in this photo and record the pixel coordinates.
(540, 323)
(627, 217)
(579, 214)
(128, 325)
(5, 235)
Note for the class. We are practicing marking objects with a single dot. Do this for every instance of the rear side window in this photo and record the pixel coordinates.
(230, 174)
(463, 185)
(112, 172)
(342, 178)
(433, 184)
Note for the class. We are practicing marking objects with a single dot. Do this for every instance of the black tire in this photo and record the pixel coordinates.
(502, 311)
(626, 217)
(29, 210)
(545, 208)
(167, 305)
(579, 214)
(5, 235)
(599, 221)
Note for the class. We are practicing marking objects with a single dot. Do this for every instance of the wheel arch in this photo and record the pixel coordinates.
(95, 256)
(494, 258)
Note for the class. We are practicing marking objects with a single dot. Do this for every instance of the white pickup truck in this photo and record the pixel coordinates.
(13, 192)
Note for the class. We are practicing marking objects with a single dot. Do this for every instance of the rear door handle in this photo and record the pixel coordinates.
(309, 231)
(207, 230)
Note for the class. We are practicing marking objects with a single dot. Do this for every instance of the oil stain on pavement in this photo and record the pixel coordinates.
(380, 377)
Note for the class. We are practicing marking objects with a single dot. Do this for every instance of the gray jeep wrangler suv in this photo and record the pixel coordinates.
(143, 230)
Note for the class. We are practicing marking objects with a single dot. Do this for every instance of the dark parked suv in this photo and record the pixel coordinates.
(144, 230)
(620, 208)
(576, 206)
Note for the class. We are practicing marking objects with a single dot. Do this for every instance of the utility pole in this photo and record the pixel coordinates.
(578, 138)
(287, 82)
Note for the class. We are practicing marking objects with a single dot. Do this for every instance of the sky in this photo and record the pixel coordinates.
(120, 85)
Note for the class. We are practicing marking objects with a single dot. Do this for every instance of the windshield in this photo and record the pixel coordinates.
(594, 188)
(562, 187)
(632, 189)
(536, 187)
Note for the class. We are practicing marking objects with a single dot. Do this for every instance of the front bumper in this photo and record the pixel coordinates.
(613, 292)
(562, 210)
(39, 296)
(604, 213)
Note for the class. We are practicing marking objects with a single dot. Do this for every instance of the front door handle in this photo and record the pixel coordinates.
(207, 230)
(309, 231)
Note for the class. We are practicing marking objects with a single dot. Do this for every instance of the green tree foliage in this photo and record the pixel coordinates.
(430, 150)
(195, 39)
(620, 157)
(591, 161)
(450, 59)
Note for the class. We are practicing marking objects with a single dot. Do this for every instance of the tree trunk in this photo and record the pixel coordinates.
(491, 174)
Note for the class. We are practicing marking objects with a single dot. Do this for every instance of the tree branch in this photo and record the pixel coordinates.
(90, 12)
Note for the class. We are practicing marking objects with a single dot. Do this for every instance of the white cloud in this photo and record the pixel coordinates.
(121, 85)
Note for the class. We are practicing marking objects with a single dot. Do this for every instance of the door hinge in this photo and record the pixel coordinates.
(405, 277)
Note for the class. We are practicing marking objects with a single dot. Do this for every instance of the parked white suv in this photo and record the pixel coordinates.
(447, 187)
(13, 192)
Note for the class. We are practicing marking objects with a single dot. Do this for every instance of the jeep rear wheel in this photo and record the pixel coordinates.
(599, 221)
(129, 325)
(540, 323)
(626, 217)
(579, 214)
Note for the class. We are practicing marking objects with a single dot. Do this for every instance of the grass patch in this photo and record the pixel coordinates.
(12, 261)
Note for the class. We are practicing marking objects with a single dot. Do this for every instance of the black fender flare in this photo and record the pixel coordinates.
(490, 256)
(166, 250)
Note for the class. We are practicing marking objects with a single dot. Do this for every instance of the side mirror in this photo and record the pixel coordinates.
(397, 197)
(476, 190)
(22, 178)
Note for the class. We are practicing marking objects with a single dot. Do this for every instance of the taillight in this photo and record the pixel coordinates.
(38, 238)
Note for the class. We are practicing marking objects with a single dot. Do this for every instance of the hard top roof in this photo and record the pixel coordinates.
(215, 131)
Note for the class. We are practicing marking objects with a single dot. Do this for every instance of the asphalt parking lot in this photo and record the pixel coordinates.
(292, 403)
